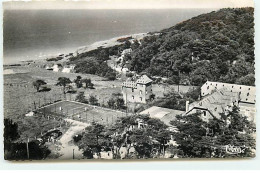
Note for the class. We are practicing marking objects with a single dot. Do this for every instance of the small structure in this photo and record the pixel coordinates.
(30, 114)
(137, 90)
(69, 69)
(106, 155)
(164, 114)
(47, 67)
(57, 67)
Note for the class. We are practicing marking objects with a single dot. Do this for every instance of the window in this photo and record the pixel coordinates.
(247, 94)
(204, 113)
(141, 92)
(248, 88)
(232, 86)
(132, 89)
(133, 97)
(207, 87)
(141, 98)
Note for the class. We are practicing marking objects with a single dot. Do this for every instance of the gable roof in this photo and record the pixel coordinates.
(132, 82)
(246, 93)
(216, 102)
(144, 80)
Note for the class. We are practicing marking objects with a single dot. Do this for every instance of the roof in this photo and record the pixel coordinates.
(144, 80)
(216, 102)
(132, 82)
(164, 114)
(246, 93)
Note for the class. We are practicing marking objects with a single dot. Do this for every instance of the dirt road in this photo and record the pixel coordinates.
(67, 145)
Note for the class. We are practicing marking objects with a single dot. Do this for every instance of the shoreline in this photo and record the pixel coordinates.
(103, 43)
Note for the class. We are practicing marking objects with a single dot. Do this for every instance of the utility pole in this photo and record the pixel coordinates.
(178, 81)
(73, 153)
(126, 101)
(27, 148)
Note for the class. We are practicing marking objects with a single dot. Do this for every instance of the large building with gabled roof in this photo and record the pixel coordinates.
(137, 90)
(220, 97)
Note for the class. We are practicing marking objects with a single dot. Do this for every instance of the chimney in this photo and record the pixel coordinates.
(187, 106)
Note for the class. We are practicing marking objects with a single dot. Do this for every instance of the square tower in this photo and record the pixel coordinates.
(137, 91)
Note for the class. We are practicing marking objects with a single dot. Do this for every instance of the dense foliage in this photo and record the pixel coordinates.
(15, 149)
(126, 134)
(217, 46)
(63, 81)
(94, 62)
(197, 138)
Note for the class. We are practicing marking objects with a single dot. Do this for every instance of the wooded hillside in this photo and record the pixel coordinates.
(218, 46)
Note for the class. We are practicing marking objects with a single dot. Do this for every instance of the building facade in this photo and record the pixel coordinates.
(219, 98)
(137, 90)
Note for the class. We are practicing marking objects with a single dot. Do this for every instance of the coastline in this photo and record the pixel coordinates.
(99, 44)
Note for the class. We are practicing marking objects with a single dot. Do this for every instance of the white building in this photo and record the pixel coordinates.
(220, 97)
(69, 69)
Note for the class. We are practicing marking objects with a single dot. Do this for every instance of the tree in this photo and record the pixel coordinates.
(143, 143)
(88, 83)
(93, 100)
(91, 139)
(111, 103)
(10, 130)
(78, 81)
(81, 98)
(247, 80)
(63, 81)
(120, 104)
(111, 75)
(197, 138)
(17, 150)
(38, 83)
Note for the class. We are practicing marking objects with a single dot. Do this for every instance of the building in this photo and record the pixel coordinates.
(246, 93)
(221, 97)
(68, 69)
(57, 67)
(137, 90)
(164, 114)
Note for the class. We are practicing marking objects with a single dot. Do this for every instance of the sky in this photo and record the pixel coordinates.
(125, 4)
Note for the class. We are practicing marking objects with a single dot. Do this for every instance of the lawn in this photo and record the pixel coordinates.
(20, 97)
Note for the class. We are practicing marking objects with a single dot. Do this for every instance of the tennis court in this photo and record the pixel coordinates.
(82, 112)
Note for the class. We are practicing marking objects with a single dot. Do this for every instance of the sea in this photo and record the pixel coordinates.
(38, 34)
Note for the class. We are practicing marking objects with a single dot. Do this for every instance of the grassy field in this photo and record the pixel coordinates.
(82, 112)
(20, 97)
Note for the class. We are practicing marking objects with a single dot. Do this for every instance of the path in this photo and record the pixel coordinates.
(66, 140)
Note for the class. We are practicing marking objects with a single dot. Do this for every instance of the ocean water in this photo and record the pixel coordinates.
(37, 34)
